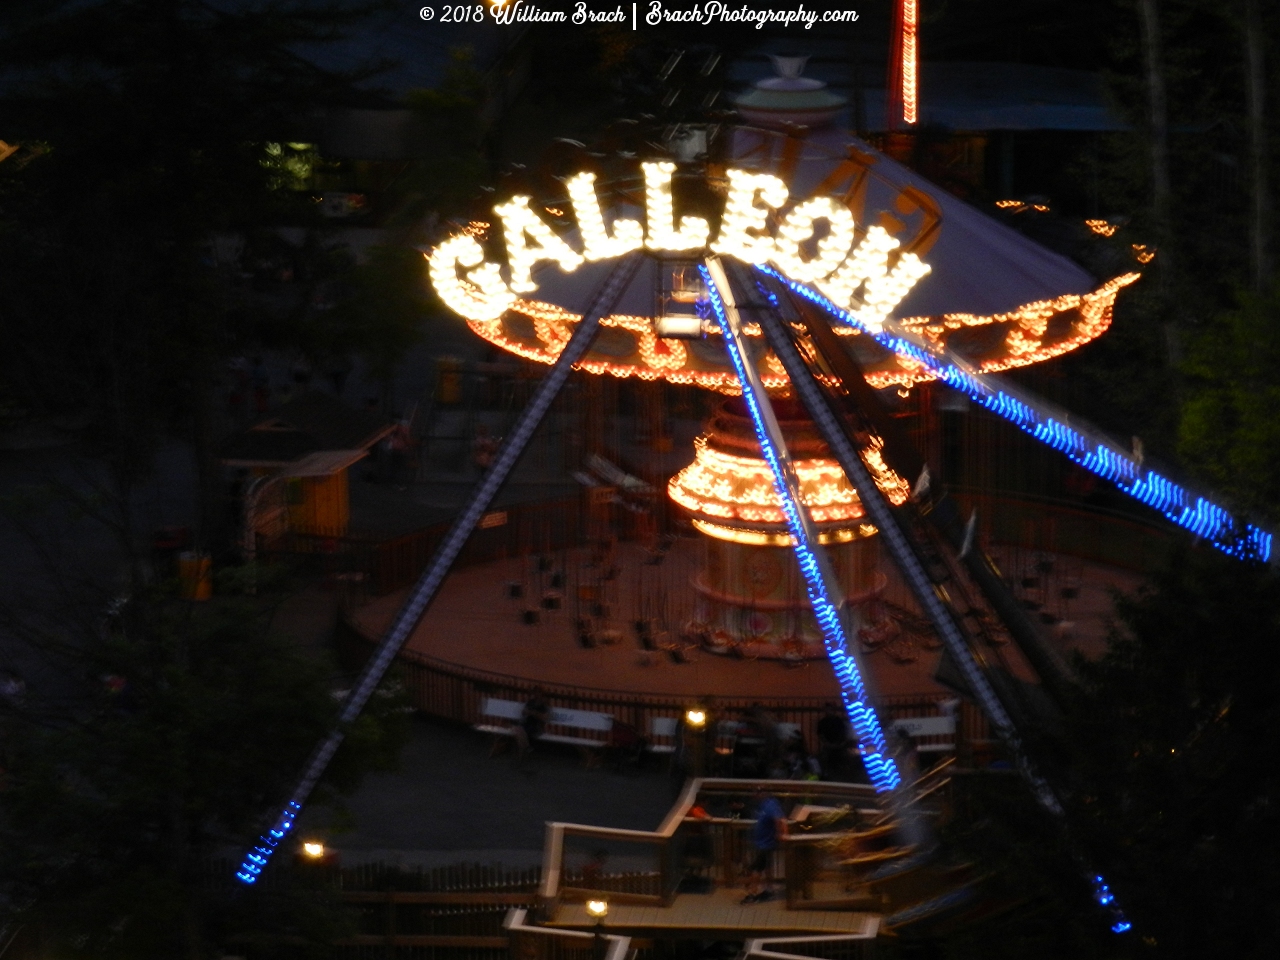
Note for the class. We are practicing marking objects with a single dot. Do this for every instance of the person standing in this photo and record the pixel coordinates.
(533, 720)
(833, 740)
(769, 830)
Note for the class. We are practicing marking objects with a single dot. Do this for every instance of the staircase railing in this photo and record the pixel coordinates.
(653, 875)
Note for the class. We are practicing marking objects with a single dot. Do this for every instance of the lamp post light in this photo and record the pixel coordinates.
(695, 721)
(312, 854)
(598, 909)
(313, 849)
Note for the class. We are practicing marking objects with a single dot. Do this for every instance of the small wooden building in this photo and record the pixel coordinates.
(295, 465)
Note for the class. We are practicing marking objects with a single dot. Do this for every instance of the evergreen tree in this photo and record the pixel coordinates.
(1177, 791)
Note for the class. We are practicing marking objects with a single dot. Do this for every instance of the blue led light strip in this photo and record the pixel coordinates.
(820, 583)
(425, 589)
(1085, 446)
(881, 514)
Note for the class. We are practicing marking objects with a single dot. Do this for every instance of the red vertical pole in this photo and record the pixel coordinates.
(902, 84)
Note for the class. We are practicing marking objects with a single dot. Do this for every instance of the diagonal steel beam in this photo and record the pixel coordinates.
(429, 584)
(881, 513)
(900, 453)
(821, 584)
(1079, 441)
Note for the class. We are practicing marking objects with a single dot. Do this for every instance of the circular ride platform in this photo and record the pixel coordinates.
(474, 641)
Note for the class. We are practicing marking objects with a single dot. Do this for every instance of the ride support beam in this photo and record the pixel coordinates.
(428, 585)
(880, 512)
(901, 454)
(823, 588)
(1079, 441)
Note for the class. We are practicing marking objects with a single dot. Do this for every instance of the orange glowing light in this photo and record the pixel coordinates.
(721, 489)
(910, 55)
(537, 331)
(1101, 227)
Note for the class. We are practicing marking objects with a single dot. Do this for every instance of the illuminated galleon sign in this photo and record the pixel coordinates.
(815, 242)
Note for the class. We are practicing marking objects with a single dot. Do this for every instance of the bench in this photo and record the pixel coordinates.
(563, 726)
(560, 721)
(937, 733)
(510, 711)
(662, 734)
(788, 732)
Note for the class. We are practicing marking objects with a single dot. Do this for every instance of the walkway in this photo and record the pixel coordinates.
(714, 916)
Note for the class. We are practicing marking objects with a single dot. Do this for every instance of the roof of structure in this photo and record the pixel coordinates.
(307, 424)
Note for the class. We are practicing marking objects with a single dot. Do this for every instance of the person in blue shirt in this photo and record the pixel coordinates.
(769, 829)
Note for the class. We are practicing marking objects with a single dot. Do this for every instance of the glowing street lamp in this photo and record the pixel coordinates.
(598, 909)
(696, 718)
(313, 849)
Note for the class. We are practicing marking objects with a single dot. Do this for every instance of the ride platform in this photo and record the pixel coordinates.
(476, 626)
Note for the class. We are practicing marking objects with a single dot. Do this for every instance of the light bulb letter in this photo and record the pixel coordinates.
(869, 260)
(530, 241)
(742, 231)
(482, 295)
(886, 290)
(597, 244)
(663, 234)
(800, 226)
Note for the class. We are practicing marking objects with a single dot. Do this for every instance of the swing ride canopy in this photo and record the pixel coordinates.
(985, 292)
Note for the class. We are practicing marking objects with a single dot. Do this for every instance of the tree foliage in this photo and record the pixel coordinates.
(1229, 430)
(186, 726)
(152, 119)
(1177, 784)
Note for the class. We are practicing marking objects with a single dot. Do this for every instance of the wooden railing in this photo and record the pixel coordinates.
(845, 946)
(455, 912)
(461, 921)
(458, 693)
(724, 835)
(544, 943)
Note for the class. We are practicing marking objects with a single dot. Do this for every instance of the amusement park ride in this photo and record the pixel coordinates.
(804, 272)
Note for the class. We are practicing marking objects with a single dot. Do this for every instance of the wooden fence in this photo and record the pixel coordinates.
(458, 693)
(1051, 526)
(379, 567)
(441, 913)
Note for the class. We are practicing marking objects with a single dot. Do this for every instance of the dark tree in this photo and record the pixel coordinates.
(146, 125)
(1177, 790)
(176, 726)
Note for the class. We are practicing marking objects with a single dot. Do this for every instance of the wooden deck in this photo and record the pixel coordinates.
(474, 625)
(716, 915)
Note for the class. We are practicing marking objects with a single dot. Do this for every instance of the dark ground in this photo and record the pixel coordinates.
(450, 802)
